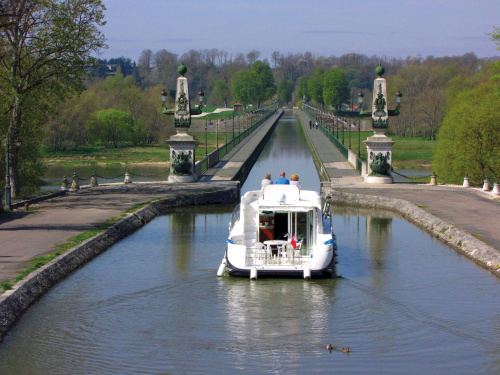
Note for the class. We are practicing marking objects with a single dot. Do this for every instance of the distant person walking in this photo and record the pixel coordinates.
(317, 124)
(310, 124)
(282, 180)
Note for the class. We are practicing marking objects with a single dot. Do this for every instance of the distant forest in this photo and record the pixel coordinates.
(427, 84)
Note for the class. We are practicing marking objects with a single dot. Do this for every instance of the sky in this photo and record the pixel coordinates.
(393, 28)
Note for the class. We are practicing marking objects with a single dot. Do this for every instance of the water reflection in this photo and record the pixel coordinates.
(182, 226)
(378, 233)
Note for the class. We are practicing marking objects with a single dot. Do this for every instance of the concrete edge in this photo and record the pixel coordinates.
(14, 302)
(35, 200)
(476, 250)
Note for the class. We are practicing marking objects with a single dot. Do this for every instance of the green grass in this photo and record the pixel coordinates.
(412, 152)
(99, 154)
(409, 152)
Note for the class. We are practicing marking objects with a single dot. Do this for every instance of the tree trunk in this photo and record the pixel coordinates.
(12, 133)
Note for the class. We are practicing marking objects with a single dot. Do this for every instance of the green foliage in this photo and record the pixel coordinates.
(243, 87)
(46, 48)
(315, 86)
(265, 87)
(111, 127)
(6, 285)
(285, 91)
(469, 139)
(255, 85)
(222, 90)
(302, 90)
(335, 88)
(495, 37)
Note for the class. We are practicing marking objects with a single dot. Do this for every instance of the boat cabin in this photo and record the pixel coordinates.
(286, 211)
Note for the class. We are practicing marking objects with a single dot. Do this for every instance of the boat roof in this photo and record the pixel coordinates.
(286, 196)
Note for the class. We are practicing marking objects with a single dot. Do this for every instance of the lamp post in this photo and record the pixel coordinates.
(350, 126)
(338, 123)
(360, 102)
(217, 134)
(206, 133)
(164, 100)
(225, 131)
(343, 129)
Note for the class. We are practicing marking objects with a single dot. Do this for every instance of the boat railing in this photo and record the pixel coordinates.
(235, 216)
(262, 256)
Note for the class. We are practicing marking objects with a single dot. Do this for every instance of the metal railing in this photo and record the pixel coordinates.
(204, 164)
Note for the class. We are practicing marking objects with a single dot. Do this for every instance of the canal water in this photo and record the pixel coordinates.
(152, 304)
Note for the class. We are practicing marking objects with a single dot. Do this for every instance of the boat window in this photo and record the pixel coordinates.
(276, 225)
(301, 226)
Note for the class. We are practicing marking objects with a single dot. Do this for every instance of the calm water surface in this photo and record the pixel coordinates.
(152, 304)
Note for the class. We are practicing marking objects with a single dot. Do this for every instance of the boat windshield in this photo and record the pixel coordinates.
(282, 225)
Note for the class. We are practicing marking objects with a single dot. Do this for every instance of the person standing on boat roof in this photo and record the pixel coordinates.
(282, 180)
(266, 181)
(294, 180)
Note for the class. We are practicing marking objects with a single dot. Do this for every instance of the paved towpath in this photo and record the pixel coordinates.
(472, 210)
(26, 235)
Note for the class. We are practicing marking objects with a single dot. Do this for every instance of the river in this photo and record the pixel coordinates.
(152, 304)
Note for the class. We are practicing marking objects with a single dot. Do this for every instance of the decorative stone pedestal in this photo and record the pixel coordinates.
(182, 147)
(379, 152)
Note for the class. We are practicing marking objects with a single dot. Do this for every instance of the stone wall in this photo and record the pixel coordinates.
(17, 300)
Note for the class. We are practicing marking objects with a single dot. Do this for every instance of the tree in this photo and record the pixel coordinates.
(146, 59)
(285, 90)
(495, 37)
(315, 86)
(302, 91)
(243, 86)
(265, 87)
(469, 139)
(255, 85)
(222, 90)
(46, 47)
(111, 127)
(335, 88)
(252, 57)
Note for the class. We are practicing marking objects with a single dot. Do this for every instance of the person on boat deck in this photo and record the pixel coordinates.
(266, 181)
(282, 180)
(294, 180)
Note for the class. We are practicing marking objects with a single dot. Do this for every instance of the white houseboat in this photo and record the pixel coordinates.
(278, 231)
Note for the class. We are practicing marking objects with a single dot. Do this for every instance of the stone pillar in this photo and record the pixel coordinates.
(379, 146)
(182, 159)
(182, 144)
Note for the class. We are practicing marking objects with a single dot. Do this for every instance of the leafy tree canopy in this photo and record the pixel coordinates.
(45, 49)
(469, 139)
(335, 88)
